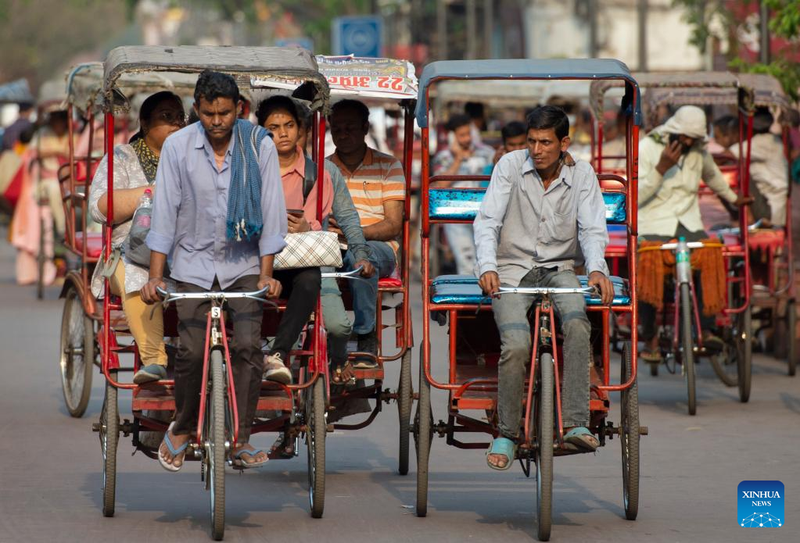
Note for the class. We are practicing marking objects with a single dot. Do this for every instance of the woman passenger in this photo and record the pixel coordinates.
(135, 165)
(279, 115)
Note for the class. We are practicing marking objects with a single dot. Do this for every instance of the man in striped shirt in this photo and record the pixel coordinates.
(377, 186)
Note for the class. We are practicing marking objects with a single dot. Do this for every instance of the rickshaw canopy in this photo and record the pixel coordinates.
(546, 69)
(381, 78)
(52, 95)
(16, 92)
(252, 67)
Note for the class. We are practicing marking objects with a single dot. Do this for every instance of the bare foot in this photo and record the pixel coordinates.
(177, 442)
(498, 460)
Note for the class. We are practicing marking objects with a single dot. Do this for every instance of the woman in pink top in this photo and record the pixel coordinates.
(302, 286)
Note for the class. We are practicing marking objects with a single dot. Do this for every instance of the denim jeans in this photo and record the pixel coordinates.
(337, 322)
(365, 293)
(511, 316)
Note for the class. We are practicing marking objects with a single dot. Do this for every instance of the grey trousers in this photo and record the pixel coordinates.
(510, 314)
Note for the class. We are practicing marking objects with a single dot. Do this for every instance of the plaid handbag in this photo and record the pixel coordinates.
(314, 249)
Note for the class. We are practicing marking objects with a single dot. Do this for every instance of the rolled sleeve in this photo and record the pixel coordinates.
(166, 202)
(273, 205)
(592, 229)
(489, 219)
(98, 189)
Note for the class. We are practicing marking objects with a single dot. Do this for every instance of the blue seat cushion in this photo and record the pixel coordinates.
(464, 289)
(463, 204)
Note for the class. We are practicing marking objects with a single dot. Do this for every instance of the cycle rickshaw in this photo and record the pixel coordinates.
(774, 296)
(392, 84)
(84, 97)
(301, 407)
(679, 337)
(473, 347)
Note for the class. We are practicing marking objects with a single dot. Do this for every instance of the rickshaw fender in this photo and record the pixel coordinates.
(74, 280)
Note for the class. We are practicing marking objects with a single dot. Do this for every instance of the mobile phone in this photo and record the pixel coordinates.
(295, 213)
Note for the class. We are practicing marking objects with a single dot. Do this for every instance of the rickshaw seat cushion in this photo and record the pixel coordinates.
(463, 205)
(464, 289)
(390, 282)
(94, 243)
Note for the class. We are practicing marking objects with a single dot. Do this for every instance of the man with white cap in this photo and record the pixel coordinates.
(672, 162)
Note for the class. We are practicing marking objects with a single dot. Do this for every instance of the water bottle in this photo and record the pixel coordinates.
(147, 199)
(145, 210)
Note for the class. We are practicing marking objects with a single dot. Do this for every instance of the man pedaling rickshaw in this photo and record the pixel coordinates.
(542, 210)
(672, 162)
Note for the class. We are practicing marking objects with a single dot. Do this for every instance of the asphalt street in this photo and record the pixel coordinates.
(50, 466)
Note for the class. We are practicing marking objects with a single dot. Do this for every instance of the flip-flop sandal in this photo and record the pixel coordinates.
(284, 447)
(651, 356)
(172, 450)
(582, 438)
(505, 447)
(238, 463)
(340, 372)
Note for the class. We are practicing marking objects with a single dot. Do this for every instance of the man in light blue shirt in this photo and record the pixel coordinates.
(190, 222)
(540, 216)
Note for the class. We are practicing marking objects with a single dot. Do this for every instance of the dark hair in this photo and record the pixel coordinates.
(275, 103)
(762, 120)
(149, 106)
(512, 130)
(727, 124)
(26, 136)
(474, 110)
(457, 121)
(25, 106)
(354, 105)
(154, 100)
(305, 113)
(193, 118)
(212, 85)
(547, 117)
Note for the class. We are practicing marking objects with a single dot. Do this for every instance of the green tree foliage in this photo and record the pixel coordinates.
(40, 38)
(710, 17)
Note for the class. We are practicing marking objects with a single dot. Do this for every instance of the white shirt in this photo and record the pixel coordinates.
(672, 199)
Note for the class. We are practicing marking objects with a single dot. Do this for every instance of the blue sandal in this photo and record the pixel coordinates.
(241, 464)
(505, 447)
(582, 438)
(172, 450)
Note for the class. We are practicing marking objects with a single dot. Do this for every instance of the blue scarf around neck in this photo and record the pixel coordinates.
(244, 220)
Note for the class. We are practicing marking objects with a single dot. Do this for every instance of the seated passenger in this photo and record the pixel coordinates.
(515, 138)
(344, 216)
(769, 177)
(278, 114)
(135, 166)
(466, 156)
(222, 222)
(672, 162)
(377, 186)
(539, 215)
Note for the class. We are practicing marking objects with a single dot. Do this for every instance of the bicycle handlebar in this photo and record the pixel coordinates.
(353, 274)
(218, 296)
(544, 290)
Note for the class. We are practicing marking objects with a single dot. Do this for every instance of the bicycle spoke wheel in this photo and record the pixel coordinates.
(687, 346)
(405, 402)
(109, 439)
(215, 444)
(423, 433)
(77, 354)
(544, 448)
(629, 437)
(315, 441)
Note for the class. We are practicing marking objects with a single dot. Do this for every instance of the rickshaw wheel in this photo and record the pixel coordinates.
(726, 363)
(423, 433)
(653, 368)
(215, 448)
(791, 336)
(687, 343)
(629, 437)
(405, 401)
(315, 441)
(77, 354)
(545, 424)
(744, 346)
(109, 439)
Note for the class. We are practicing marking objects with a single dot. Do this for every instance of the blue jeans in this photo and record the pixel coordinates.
(365, 293)
(511, 316)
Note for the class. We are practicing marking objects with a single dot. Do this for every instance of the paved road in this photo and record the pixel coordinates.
(50, 470)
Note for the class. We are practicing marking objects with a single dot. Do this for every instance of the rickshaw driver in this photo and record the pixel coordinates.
(218, 241)
(538, 211)
(672, 161)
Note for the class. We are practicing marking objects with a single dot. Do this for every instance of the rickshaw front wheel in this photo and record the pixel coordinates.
(687, 344)
(744, 345)
(629, 437)
(545, 426)
(215, 450)
(315, 441)
(423, 429)
(405, 402)
(77, 354)
(109, 439)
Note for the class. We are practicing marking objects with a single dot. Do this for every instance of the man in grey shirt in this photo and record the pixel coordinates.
(540, 216)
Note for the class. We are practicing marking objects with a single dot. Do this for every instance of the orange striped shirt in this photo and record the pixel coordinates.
(378, 179)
